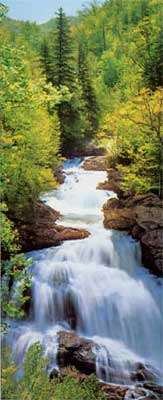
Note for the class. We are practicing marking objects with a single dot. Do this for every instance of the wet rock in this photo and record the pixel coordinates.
(59, 173)
(142, 374)
(149, 218)
(27, 306)
(119, 218)
(70, 233)
(54, 373)
(39, 231)
(95, 164)
(152, 254)
(113, 183)
(146, 200)
(156, 389)
(112, 203)
(77, 352)
(139, 393)
(113, 392)
(142, 217)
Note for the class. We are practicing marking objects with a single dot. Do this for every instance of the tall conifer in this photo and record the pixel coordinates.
(88, 92)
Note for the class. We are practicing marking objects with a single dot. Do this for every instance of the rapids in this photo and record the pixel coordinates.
(111, 298)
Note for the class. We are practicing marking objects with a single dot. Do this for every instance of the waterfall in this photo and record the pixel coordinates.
(95, 286)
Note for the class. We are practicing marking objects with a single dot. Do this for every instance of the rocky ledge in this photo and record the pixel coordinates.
(95, 164)
(76, 357)
(40, 230)
(77, 352)
(141, 215)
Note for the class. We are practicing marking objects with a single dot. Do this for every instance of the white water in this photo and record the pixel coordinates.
(96, 286)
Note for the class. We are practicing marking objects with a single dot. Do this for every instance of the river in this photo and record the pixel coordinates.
(114, 300)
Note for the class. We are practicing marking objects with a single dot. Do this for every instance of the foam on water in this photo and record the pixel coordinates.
(96, 286)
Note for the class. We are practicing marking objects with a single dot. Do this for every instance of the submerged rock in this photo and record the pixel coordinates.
(77, 352)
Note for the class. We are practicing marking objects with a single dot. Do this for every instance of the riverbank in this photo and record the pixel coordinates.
(39, 230)
(141, 215)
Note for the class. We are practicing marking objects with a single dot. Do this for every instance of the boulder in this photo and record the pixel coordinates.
(152, 254)
(149, 218)
(139, 393)
(59, 173)
(147, 200)
(142, 217)
(113, 392)
(95, 164)
(70, 233)
(77, 352)
(156, 389)
(113, 183)
(112, 203)
(142, 373)
(40, 231)
(119, 218)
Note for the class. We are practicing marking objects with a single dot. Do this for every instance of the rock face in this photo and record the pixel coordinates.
(142, 217)
(77, 352)
(95, 164)
(40, 231)
(113, 392)
(113, 182)
(59, 173)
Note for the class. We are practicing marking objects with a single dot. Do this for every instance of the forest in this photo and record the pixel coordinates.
(73, 82)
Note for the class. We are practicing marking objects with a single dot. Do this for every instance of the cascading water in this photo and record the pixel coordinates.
(95, 286)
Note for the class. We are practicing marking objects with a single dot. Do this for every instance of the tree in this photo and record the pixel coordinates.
(3, 11)
(135, 132)
(35, 383)
(45, 58)
(62, 74)
(27, 155)
(88, 93)
(63, 71)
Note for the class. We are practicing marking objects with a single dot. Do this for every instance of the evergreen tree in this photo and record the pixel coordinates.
(63, 74)
(88, 93)
(46, 59)
(63, 71)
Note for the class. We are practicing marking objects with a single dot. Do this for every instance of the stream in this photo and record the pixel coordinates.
(114, 300)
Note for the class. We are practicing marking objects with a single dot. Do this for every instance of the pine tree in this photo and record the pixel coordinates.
(63, 74)
(46, 59)
(88, 93)
(63, 71)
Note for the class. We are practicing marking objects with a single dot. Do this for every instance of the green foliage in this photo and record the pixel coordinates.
(15, 275)
(58, 62)
(35, 383)
(27, 153)
(88, 94)
(124, 42)
(9, 235)
(8, 383)
(62, 66)
(135, 132)
(3, 11)
(70, 389)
